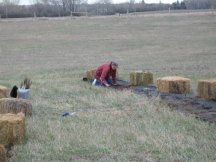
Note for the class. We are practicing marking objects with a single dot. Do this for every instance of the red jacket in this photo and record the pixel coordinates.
(104, 72)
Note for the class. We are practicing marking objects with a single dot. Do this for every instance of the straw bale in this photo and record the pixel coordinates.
(3, 91)
(139, 78)
(174, 84)
(90, 74)
(15, 105)
(207, 89)
(3, 157)
(12, 128)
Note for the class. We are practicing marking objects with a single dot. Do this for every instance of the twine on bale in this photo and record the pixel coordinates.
(12, 128)
(207, 89)
(174, 84)
(140, 78)
(15, 105)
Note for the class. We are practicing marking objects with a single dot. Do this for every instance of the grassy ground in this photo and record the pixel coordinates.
(108, 125)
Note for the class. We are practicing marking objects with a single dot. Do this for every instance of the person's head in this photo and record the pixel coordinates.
(114, 65)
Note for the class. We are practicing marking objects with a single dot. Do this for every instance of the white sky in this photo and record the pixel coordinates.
(26, 2)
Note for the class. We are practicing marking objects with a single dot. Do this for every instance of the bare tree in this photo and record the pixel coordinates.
(72, 5)
(213, 3)
(103, 6)
(7, 5)
(131, 5)
(198, 4)
(57, 4)
(10, 2)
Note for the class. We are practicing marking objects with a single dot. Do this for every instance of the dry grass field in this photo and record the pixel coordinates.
(108, 125)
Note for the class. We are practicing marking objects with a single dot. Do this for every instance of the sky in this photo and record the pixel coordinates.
(26, 2)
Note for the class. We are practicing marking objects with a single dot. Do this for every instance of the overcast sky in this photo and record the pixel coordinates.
(114, 1)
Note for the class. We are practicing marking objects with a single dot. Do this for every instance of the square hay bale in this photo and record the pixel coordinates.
(174, 84)
(90, 74)
(207, 89)
(15, 105)
(139, 78)
(3, 156)
(3, 91)
(12, 128)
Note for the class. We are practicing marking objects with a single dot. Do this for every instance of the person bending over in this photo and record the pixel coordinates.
(106, 74)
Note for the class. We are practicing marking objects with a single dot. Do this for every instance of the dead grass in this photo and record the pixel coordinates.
(108, 125)
(165, 45)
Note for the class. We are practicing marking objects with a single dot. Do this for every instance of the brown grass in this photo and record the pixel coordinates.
(108, 125)
(166, 45)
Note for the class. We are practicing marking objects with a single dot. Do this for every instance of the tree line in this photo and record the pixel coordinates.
(57, 8)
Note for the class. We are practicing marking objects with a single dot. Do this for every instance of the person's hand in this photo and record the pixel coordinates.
(107, 85)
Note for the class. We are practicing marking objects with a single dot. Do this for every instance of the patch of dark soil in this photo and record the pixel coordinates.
(187, 104)
(203, 109)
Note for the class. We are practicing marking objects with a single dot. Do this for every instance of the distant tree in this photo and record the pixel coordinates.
(131, 5)
(104, 2)
(213, 4)
(183, 6)
(8, 4)
(58, 6)
(104, 7)
(178, 6)
(198, 4)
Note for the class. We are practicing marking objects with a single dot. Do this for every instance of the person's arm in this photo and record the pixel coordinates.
(114, 77)
(103, 76)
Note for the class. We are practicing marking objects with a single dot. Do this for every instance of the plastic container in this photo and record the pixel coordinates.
(94, 82)
(23, 93)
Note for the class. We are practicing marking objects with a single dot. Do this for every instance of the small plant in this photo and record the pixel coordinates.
(26, 83)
